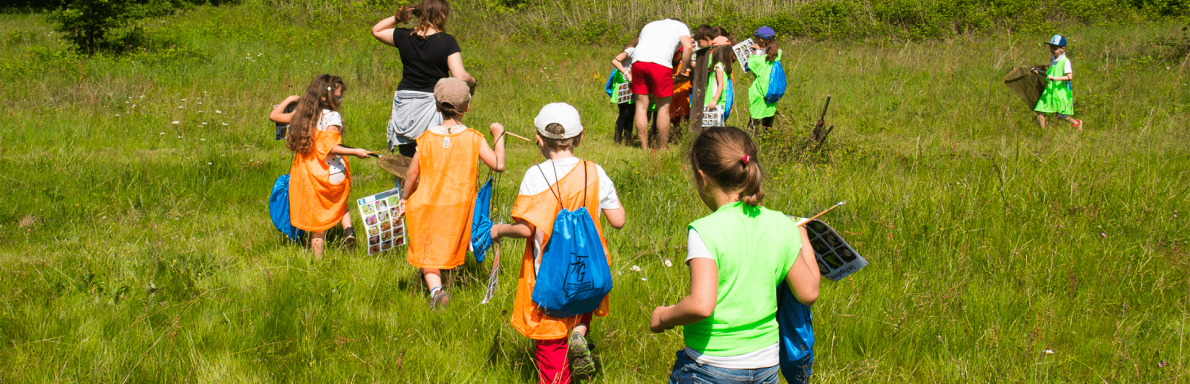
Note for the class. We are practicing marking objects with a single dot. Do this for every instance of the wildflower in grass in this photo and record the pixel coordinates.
(175, 123)
(668, 263)
(218, 111)
(635, 268)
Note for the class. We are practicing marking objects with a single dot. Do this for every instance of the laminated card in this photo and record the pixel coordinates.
(383, 230)
(836, 258)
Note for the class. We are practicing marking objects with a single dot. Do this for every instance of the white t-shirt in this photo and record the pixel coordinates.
(627, 62)
(761, 358)
(659, 40)
(1068, 68)
(539, 178)
(338, 168)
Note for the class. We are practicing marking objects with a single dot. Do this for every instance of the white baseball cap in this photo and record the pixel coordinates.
(560, 113)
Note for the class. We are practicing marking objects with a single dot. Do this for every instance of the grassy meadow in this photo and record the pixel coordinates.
(137, 249)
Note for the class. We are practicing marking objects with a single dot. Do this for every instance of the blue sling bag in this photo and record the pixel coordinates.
(797, 336)
(279, 209)
(776, 84)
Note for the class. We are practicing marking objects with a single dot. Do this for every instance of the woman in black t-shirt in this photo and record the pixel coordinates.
(428, 54)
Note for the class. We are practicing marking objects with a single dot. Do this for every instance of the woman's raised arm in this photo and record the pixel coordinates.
(383, 30)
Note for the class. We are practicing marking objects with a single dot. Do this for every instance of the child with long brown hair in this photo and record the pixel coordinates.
(737, 257)
(320, 179)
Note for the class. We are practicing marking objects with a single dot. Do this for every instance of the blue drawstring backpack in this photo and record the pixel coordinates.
(279, 209)
(481, 224)
(797, 336)
(776, 84)
(607, 87)
(574, 276)
(730, 101)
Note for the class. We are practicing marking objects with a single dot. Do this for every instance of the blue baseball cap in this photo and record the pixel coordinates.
(765, 33)
(1057, 40)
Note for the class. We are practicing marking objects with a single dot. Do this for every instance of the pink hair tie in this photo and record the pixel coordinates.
(746, 158)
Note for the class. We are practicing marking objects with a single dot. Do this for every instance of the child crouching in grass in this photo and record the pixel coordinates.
(440, 187)
(737, 257)
(562, 181)
(320, 180)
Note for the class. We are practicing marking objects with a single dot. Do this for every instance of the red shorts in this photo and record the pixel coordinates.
(652, 79)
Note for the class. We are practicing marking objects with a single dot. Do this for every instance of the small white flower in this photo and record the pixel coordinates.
(635, 268)
(177, 122)
(183, 99)
(224, 123)
(202, 139)
(179, 137)
(162, 133)
(218, 111)
(204, 123)
(134, 105)
(668, 263)
(1048, 351)
(644, 279)
(117, 115)
(181, 106)
(208, 163)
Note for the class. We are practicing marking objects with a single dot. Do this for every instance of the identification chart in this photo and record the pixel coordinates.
(381, 226)
(836, 258)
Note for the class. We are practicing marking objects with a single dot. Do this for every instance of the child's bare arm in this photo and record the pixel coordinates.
(700, 304)
(720, 84)
(519, 230)
(618, 62)
(804, 278)
(410, 183)
(494, 159)
(383, 30)
(616, 217)
(278, 115)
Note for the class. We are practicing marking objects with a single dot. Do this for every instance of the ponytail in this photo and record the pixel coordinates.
(727, 156)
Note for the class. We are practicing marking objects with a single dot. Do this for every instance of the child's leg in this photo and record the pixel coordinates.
(768, 121)
(583, 325)
(1041, 119)
(433, 278)
(624, 121)
(551, 361)
(317, 241)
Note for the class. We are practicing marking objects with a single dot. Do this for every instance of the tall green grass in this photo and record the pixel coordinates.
(138, 250)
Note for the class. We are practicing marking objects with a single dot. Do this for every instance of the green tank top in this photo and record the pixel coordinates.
(754, 248)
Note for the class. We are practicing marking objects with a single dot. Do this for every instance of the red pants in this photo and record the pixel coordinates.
(553, 366)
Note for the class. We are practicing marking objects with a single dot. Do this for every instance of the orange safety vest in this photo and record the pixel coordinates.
(315, 204)
(438, 214)
(539, 211)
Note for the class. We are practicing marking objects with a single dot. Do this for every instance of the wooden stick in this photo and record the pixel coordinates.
(827, 210)
(516, 136)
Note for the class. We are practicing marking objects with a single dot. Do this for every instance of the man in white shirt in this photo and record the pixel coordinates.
(652, 74)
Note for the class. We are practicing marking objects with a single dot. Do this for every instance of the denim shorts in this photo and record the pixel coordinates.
(687, 371)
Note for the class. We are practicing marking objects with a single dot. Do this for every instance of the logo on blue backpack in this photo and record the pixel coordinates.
(577, 280)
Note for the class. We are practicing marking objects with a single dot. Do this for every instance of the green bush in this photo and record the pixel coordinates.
(88, 24)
